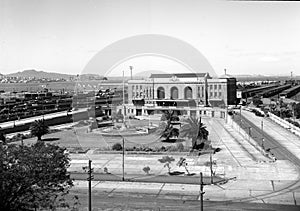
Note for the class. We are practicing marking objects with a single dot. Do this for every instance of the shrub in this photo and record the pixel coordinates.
(105, 169)
(163, 149)
(296, 124)
(146, 169)
(156, 149)
(172, 148)
(117, 147)
(180, 147)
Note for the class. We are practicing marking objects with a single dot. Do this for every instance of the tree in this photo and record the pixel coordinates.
(167, 131)
(194, 129)
(146, 169)
(182, 162)
(296, 109)
(169, 115)
(33, 177)
(39, 128)
(167, 160)
(2, 137)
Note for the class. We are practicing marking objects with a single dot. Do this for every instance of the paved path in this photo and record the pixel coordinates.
(238, 147)
(263, 182)
(284, 137)
(130, 201)
(243, 191)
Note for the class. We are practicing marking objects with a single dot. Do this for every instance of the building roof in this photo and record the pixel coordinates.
(180, 75)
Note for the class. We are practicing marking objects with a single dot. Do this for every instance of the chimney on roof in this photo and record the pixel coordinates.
(225, 71)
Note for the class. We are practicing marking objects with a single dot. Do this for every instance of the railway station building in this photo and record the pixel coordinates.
(186, 93)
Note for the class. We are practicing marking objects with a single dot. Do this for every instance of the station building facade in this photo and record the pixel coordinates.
(188, 92)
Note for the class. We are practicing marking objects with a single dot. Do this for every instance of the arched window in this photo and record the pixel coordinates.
(188, 93)
(160, 93)
(174, 93)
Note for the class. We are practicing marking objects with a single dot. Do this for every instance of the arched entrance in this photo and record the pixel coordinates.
(188, 93)
(174, 93)
(161, 93)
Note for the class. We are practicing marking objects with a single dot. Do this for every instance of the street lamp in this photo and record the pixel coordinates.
(250, 131)
(123, 100)
(211, 152)
(262, 133)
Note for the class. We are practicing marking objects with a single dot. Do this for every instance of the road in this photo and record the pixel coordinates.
(193, 179)
(268, 131)
(175, 202)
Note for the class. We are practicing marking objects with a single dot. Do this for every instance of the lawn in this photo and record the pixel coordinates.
(80, 137)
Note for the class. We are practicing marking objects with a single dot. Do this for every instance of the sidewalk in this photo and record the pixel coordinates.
(276, 183)
(234, 191)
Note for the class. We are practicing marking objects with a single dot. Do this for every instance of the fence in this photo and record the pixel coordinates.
(294, 129)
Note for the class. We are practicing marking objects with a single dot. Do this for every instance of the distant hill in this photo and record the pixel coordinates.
(40, 74)
(264, 77)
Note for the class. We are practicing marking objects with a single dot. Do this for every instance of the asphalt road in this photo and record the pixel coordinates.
(137, 201)
(193, 179)
(280, 152)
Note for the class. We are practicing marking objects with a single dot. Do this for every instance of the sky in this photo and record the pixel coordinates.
(63, 35)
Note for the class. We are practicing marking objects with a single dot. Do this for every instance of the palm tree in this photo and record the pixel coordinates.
(39, 128)
(194, 129)
(169, 115)
(167, 130)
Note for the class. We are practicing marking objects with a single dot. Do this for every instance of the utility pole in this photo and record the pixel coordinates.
(211, 170)
(123, 100)
(250, 132)
(240, 116)
(263, 137)
(123, 159)
(201, 191)
(89, 179)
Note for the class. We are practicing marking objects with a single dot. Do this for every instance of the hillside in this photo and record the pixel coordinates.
(39, 74)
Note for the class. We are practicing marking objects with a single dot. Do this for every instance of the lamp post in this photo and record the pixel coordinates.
(201, 192)
(90, 171)
(262, 133)
(211, 152)
(123, 100)
(123, 160)
(250, 132)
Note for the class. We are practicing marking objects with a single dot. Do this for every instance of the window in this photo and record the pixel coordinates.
(220, 86)
(216, 86)
(210, 87)
(220, 94)
(216, 94)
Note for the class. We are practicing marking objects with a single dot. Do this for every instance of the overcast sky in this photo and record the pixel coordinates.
(63, 35)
